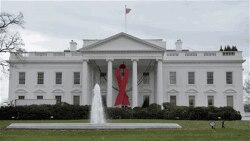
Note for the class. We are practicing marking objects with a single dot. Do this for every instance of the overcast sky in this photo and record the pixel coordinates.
(202, 25)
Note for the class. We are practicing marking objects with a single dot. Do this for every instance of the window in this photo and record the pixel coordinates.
(172, 77)
(145, 78)
(173, 100)
(210, 78)
(21, 97)
(210, 100)
(40, 78)
(104, 103)
(230, 102)
(21, 77)
(39, 97)
(229, 77)
(58, 99)
(76, 100)
(191, 78)
(77, 78)
(191, 101)
(103, 77)
(58, 77)
(145, 99)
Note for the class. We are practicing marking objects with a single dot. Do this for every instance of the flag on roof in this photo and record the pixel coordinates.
(127, 10)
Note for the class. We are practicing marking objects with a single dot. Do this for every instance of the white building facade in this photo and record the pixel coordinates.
(181, 77)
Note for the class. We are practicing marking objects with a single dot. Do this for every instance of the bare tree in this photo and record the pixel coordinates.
(247, 85)
(247, 90)
(10, 41)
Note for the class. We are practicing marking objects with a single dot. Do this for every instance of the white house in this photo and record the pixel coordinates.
(181, 77)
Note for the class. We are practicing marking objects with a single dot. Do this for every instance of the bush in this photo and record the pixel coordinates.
(153, 111)
(119, 113)
(39, 112)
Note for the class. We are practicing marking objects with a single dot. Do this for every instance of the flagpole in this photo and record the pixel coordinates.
(125, 18)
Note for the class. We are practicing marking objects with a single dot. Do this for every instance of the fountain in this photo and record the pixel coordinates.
(97, 121)
(97, 114)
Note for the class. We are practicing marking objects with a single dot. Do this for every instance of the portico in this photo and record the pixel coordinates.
(118, 49)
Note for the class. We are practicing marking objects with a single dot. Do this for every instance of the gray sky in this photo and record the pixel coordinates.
(202, 25)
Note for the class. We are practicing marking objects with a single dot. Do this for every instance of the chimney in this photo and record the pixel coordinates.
(73, 45)
(178, 45)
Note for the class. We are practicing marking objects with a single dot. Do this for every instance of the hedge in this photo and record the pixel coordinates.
(153, 111)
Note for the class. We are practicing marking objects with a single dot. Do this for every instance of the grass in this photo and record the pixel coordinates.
(191, 131)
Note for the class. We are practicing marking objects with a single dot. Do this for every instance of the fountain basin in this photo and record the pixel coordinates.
(89, 126)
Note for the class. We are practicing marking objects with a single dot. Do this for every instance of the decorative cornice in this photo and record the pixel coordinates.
(39, 91)
(109, 59)
(85, 60)
(135, 59)
(58, 91)
(172, 91)
(229, 91)
(192, 91)
(21, 91)
(75, 91)
(159, 59)
(210, 91)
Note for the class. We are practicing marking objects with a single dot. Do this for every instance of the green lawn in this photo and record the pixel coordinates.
(191, 131)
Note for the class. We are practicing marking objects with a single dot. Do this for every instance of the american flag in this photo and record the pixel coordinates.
(127, 10)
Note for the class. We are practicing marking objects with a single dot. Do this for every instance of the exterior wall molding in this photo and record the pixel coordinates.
(39, 91)
(191, 91)
(109, 59)
(230, 91)
(21, 91)
(76, 91)
(172, 91)
(210, 91)
(58, 91)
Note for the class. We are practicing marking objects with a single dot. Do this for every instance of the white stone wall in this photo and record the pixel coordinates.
(182, 89)
(49, 89)
(201, 89)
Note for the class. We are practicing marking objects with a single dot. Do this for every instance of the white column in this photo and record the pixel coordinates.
(134, 84)
(159, 97)
(109, 85)
(85, 82)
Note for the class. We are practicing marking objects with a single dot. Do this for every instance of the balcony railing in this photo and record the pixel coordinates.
(205, 53)
(169, 55)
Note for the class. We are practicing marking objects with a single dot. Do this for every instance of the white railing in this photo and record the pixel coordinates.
(204, 54)
(210, 54)
(45, 54)
(191, 54)
(174, 54)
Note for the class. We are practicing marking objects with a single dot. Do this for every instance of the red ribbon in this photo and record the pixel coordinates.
(122, 98)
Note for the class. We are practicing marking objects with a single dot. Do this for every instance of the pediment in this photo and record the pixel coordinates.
(229, 91)
(21, 91)
(122, 42)
(191, 91)
(39, 91)
(210, 91)
(57, 91)
(172, 91)
(76, 91)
